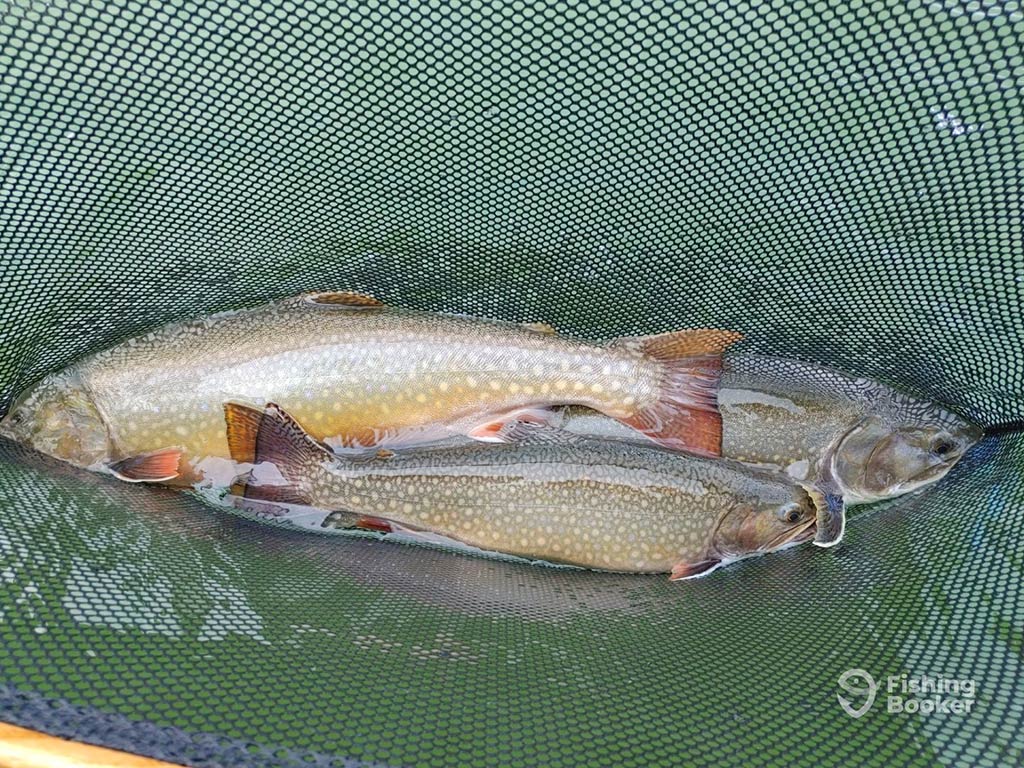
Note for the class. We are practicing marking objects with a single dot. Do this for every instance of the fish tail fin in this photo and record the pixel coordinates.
(684, 416)
(270, 435)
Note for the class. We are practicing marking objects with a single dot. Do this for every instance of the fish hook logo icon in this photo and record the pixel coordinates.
(860, 683)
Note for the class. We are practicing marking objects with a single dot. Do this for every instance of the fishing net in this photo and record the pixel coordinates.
(840, 182)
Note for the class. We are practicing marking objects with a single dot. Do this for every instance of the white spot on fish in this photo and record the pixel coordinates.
(798, 469)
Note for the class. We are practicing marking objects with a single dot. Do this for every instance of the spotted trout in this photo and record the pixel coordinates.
(598, 504)
(851, 435)
(355, 373)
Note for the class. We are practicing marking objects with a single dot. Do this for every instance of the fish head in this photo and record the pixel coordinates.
(881, 457)
(58, 418)
(751, 528)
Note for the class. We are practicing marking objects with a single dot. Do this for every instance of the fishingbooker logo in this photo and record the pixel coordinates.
(906, 694)
(859, 683)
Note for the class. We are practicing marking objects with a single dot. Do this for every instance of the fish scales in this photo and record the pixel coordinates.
(357, 374)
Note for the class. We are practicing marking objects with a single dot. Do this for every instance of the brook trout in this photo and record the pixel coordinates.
(356, 373)
(598, 504)
(850, 435)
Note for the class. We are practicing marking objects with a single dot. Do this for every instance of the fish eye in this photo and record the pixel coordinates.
(790, 513)
(942, 447)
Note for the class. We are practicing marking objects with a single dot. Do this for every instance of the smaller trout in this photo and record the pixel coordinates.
(609, 506)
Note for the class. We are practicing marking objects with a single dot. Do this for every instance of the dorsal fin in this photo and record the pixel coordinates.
(272, 435)
(343, 299)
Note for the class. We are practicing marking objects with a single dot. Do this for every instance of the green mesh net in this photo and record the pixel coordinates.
(840, 182)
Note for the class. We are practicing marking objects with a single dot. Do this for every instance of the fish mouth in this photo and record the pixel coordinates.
(926, 476)
(804, 533)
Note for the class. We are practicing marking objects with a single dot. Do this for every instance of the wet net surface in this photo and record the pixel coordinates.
(840, 182)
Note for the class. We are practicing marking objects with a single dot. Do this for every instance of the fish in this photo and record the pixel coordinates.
(599, 504)
(356, 373)
(853, 436)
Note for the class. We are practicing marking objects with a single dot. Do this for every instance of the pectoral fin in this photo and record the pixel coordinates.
(831, 518)
(368, 523)
(544, 328)
(693, 570)
(505, 428)
(153, 467)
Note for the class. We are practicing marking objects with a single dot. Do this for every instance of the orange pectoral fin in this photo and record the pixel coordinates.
(488, 433)
(368, 523)
(693, 570)
(497, 430)
(154, 467)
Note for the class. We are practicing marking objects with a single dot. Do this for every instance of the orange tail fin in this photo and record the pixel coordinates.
(685, 414)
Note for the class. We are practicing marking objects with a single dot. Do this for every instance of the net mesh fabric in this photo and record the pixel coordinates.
(840, 182)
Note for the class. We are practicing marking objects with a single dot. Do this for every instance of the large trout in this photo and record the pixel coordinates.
(599, 504)
(355, 373)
